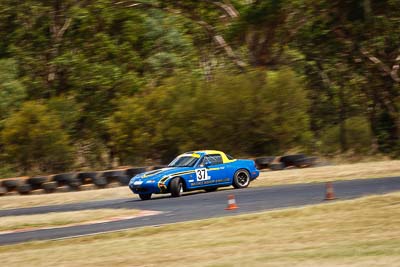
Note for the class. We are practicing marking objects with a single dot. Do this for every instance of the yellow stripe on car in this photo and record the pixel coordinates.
(163, 181)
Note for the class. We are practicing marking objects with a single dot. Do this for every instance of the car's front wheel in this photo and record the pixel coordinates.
(241, 179)
(176, 187)
(145, 196)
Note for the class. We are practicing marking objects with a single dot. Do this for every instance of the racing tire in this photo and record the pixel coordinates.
(212, 189)
(113, 175)
(24, 189)
(74, 184)
(145, 196)
(305, 162)
(36, 182)
(11, 185)
(3, 191)
(241, 179)
(264, 162)
(87, 177)
(63, 179)
(290, 160)
(277, 166)
(176, 187)
(49, 187)
(100, 182)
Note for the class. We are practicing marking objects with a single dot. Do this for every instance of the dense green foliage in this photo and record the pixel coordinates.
(105, 83)
(242, 114)
(33, 137)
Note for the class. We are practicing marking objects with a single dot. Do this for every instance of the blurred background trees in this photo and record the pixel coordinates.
(95, 84)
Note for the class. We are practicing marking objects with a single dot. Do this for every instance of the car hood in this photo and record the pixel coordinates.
(156, 174)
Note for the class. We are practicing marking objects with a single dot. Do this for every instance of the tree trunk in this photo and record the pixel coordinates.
(373, 122)
(389, 101)
(342, 120)
(58, 25)
(367, 9)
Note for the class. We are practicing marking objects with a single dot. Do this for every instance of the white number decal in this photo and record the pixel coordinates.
(201, 175)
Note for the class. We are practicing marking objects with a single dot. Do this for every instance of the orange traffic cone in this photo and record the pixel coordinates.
(231, 203)
(330, 194)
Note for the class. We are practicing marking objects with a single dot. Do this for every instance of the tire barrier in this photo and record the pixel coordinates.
(305, 162)
(49, 187)
(3, 191)
(11, 185)
(264, 162)
(276, 166)
(63, 179)
(113, 175)
(24, 189)
(87, 177)
(74, 184)
(280, 163)
(36, 182)
(290, 160)
(64, 182)
(100, 182)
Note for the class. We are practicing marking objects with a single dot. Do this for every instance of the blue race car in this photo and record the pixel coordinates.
(208, 170)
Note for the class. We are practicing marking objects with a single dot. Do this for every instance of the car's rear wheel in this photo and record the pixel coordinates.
(212, 189)
(241, 179)
(145, 196)
(176, 187)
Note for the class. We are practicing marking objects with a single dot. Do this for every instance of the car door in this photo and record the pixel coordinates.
(211, 170)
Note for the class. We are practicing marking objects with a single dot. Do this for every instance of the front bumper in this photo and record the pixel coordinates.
(144, 187)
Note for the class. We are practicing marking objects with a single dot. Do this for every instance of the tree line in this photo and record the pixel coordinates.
(96, 84)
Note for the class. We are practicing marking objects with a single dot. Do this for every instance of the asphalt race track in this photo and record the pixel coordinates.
(193, 206)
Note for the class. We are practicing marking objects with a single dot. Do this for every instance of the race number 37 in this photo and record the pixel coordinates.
(201, 175)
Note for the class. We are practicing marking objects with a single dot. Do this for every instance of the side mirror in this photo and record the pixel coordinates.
(207, 164)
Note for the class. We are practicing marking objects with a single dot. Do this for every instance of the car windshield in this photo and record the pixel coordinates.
(183, 161)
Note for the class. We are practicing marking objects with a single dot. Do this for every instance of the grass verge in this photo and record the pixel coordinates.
(61, 218)
(268, 178)
(362, 232)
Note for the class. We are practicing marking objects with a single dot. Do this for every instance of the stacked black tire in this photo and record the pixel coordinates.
(92, 178)
(67, 179)
(10, 185)
(73, 181)
(37, 182)
(298, 160)
(114, 176)
(23, 187)
(33, 183)
(87, 177)
(3, 190)
(280, 163)
(264, 162)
